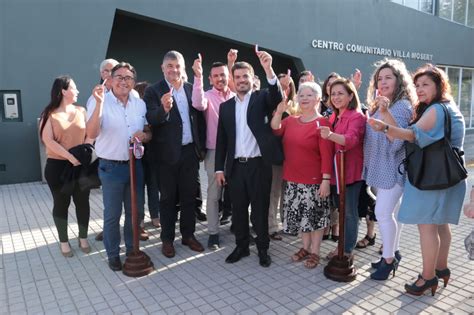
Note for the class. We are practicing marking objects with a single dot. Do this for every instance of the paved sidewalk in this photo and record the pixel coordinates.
(35, 278)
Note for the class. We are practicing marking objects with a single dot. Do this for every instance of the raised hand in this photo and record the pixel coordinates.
(197, 66)
(167, 101)
(282, 107)
(232, 56)
(265, 60)
(382, 103)
(98, 93)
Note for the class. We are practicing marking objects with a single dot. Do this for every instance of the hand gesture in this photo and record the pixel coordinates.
(325, 132)
(197, 67)
(356, 78)
(282, 107)
(376, 124)
(220, 179)
(285, 82)
(265, 60)
(382, 103)
(232, 56)
(98, 93)
(167, 101)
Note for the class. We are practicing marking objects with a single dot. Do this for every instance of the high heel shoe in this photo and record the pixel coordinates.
(86, 249)
(429, 284)
(384, 270)
(398, 256)
(444, 274)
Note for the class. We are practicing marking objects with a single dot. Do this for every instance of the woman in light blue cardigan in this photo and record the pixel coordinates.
(431, 210)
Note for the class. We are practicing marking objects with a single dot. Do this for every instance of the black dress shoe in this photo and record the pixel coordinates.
(237, 254)
(264, 259)
(201, 216)
(115, 264)
(100, 237)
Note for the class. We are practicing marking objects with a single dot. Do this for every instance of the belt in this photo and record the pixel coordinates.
(246, 159)
(115, 161)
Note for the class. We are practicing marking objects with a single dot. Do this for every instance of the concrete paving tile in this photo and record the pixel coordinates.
(202, 283)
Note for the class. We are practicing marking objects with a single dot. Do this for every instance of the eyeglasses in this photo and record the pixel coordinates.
(126, 78)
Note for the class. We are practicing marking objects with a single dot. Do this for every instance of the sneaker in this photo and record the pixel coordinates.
(213, 242)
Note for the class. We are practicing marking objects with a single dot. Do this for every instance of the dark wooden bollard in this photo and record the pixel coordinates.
(341, 267)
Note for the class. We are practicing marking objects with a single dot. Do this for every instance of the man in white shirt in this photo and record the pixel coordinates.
(246, 149)
(105, 70)
(115, 119)
(179, 134)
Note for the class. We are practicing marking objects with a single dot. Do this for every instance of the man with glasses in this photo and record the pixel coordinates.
(179, 137)
(116, 119)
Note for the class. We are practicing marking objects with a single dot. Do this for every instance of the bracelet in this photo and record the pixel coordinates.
(385, 130)
(326, 178)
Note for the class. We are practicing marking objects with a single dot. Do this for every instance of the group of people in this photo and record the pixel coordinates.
(271, 149)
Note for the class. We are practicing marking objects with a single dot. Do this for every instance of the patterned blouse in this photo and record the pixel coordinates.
(382, 156)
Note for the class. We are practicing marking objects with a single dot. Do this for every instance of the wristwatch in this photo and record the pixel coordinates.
(385, 130)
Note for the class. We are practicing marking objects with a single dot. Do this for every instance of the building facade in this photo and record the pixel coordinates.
(43, 39)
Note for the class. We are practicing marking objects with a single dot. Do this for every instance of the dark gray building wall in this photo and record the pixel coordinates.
(42, 39)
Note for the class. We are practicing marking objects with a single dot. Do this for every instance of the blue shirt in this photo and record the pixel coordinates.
(382, 156)
(435, 206)
(181, 99)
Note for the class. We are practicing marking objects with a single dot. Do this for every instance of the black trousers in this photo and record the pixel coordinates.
(250, 184)
(61, 201)
(178, 182)
(225, 205)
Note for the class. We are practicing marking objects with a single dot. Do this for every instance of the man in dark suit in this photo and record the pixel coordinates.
(247, 148)
(179, 137)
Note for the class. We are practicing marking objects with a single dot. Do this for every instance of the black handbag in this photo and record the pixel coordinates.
(436, 166)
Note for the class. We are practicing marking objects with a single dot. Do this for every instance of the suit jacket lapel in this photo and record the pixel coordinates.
(233, 127)
(253, 97)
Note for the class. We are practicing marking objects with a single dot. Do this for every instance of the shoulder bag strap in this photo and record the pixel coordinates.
(447, 122)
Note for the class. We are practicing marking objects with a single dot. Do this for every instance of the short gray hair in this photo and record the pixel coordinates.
(173, 55)
(312, 86)
(110, 61)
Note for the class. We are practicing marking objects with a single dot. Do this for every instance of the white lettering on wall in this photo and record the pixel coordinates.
(369, 50)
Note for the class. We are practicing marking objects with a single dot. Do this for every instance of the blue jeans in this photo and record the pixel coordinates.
(351, 222)
(351, 228)
(115, 178)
